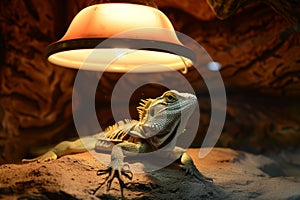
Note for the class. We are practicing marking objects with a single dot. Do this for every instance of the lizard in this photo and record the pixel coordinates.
(161, 121)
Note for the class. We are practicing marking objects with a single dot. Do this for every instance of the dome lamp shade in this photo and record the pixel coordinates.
(118, 37)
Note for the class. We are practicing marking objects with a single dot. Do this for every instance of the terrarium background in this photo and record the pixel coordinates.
(258, 47)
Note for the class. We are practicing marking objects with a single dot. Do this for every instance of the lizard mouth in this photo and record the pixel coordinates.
(170, 137)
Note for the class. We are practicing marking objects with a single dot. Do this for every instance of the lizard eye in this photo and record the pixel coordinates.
(170, 98)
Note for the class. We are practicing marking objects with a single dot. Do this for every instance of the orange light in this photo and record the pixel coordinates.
(119, 37)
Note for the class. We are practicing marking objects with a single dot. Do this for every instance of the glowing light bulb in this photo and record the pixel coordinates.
(214, 66)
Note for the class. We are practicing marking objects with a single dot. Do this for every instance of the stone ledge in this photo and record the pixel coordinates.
(237, 175)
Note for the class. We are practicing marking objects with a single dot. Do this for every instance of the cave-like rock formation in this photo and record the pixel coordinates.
(256, 43)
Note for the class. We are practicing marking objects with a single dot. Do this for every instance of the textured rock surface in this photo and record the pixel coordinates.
(287, 9)
(35, 96)
(257, 47)
(237, 175)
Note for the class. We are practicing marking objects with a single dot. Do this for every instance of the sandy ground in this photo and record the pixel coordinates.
(236, 175)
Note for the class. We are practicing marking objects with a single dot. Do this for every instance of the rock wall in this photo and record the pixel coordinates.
(35, 96)
(258, 47)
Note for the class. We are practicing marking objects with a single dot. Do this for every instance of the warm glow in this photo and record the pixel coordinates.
(119, 60)
(121, 21)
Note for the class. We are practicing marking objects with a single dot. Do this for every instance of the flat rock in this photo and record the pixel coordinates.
(237, 175)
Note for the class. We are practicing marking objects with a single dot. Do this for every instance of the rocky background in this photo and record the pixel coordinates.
(257, 43)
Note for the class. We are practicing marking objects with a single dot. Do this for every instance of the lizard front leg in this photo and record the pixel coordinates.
(118, 169)
(186, 162)
(190, 168)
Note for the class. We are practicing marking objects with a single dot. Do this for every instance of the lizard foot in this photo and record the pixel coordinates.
(192, 170)
(115, 173)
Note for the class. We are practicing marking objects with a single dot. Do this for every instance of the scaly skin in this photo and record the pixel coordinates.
(161, 121)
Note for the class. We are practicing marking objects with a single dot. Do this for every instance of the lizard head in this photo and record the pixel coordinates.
(165, 117)
(171, 102)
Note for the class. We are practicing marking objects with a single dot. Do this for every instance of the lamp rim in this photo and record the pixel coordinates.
(148, 3)
(126, 43)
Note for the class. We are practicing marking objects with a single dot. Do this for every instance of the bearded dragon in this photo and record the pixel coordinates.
(161, 121)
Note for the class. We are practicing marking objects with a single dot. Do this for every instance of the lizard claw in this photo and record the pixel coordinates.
(115, 173)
